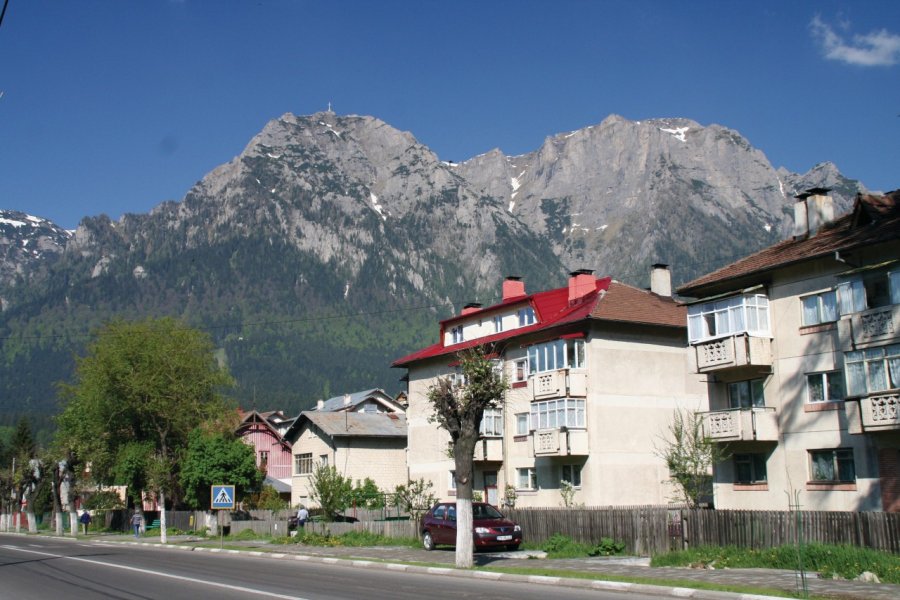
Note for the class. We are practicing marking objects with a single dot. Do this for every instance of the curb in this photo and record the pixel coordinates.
(591, 584)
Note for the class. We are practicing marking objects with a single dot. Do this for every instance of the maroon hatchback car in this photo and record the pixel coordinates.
(490, 528)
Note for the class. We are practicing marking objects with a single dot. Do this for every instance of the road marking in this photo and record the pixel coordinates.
(235, 588)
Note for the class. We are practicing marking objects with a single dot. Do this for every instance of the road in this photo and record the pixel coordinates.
(34, 568)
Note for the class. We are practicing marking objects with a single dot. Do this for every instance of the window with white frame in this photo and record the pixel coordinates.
(749, 468)
(526, 478)
(879, 288)
(558, 354)
(303, 464)
(323, 460)
(739, 314)
(521, 423)
(520, 370)
(825, 387)
(572, 474)
(835, 466)
(456, 334)
(747, 394)
(872, 370)
(498, 323)
(526, 316)
(819, 308)
(492, 422)
(451, 483)
(553, 414)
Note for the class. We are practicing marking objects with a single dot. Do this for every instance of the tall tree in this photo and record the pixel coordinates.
(215, 458)
(139, 391)
(458, 409)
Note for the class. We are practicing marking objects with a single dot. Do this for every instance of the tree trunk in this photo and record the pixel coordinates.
(162, 517)
(66, 500)
(463, 455)
(57, 504)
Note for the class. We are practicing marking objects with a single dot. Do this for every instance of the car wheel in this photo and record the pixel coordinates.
(512, 547)
(427, 541)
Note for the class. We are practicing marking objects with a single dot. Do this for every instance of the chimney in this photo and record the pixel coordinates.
(581, 283)
(813, 209)
(661, 280)
(320, 405)
(471, 307)
(513, 287)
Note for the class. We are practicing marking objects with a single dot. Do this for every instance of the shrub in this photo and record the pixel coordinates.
(607, 547)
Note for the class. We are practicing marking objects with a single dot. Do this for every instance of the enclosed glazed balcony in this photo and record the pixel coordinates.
(874, 325)
(559, 384)
(489, 449)
(741, 425)
(560, 442)
(733, 352)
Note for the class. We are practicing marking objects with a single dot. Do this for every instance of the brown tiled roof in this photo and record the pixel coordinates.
(874, 219)
(632, 305)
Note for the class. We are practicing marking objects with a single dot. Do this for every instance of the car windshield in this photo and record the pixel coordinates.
(485, 511)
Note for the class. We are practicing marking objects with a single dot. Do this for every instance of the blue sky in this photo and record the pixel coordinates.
(113, 106)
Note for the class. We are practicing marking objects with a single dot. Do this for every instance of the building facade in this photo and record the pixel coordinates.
(596, 370)
(799, 345)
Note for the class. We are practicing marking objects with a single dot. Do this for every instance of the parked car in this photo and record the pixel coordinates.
(490, 528)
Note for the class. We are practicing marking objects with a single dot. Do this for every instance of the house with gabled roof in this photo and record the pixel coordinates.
(799, 345)
(264, 431)
(368, 401)
(359, 444)
(597, 369)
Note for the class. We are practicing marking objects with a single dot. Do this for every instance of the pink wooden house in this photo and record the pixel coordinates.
(264, 431)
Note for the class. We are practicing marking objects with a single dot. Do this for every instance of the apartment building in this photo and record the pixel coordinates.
(800, 348)
(596, 370)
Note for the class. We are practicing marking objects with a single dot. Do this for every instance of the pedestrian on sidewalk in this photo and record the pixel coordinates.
(136, 523)
(85, 521)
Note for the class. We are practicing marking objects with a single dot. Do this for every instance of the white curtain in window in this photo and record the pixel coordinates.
(875, 367)
(893, 362)
(810, 310)
(829, 307)
(894, 281)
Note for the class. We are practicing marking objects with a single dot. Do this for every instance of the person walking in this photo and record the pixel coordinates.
(85, 521)
(302, 517)
(136, 523)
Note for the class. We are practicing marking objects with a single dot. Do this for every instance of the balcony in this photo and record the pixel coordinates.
(489, 449)
(881, 412)
(559, 384)
(874, 325)
(741, 425)
(560, 442)
(733, 352)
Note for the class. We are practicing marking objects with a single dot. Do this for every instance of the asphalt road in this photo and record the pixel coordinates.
(45, 569)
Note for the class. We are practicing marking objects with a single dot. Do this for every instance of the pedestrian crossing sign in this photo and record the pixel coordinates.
(223, 496)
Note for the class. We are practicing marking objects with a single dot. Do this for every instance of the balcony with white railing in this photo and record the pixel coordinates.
(880, 325)
(733, 352)
(559, 384)
(489, 449)
(560, 442)
(881, 412)
(741, 425)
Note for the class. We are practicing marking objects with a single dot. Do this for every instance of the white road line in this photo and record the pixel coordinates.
(235, 588)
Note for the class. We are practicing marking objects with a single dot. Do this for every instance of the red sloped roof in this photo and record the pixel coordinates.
(609, 301)
(873, 219)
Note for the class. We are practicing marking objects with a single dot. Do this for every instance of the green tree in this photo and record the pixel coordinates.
(214, 458)
(690, 457)
(144, 384)
(458, 409)
(415, 497)
(269, 499)
(366, 494)
(330, 490)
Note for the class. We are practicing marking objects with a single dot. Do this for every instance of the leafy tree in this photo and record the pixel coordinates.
(214, 458)
(22, 442)
(139, 391)
(458, 409)
(366, 494)
(269, 499)
(330, 490)
(690, 457)
(415, 497)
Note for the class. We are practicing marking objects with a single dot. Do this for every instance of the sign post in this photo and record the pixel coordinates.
(222, 498)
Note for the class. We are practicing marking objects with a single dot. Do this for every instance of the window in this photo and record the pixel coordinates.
(323, 460)
(558, 354)
(302, 464)
(749, 468)
(872, 370)
(825, 387)
(572, 474)
(526, 316)
(492, 422)
(457, 378)
(730, 316)
(552, 414)
(263, 458)
(522, 424)
(871, 291)
(452, 482)
(819, 308)
(521, 370)
(746, 394)
(498, 323)
(526, 479)
(832, 465)
(457, 334)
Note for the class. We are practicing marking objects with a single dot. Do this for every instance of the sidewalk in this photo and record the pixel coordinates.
(785, 581)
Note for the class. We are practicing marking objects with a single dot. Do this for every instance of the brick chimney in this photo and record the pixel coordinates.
(471, 307)
(581, 283)
(513, 287)
(813, 208)
(661, 280)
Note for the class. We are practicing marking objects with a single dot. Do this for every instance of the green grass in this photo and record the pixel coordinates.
(844, 561)
(351, 539)
(560, 546)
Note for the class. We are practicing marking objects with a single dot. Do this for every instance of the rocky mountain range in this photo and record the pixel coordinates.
(332, 244)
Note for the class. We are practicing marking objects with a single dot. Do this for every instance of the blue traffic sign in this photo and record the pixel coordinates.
(223, 496)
